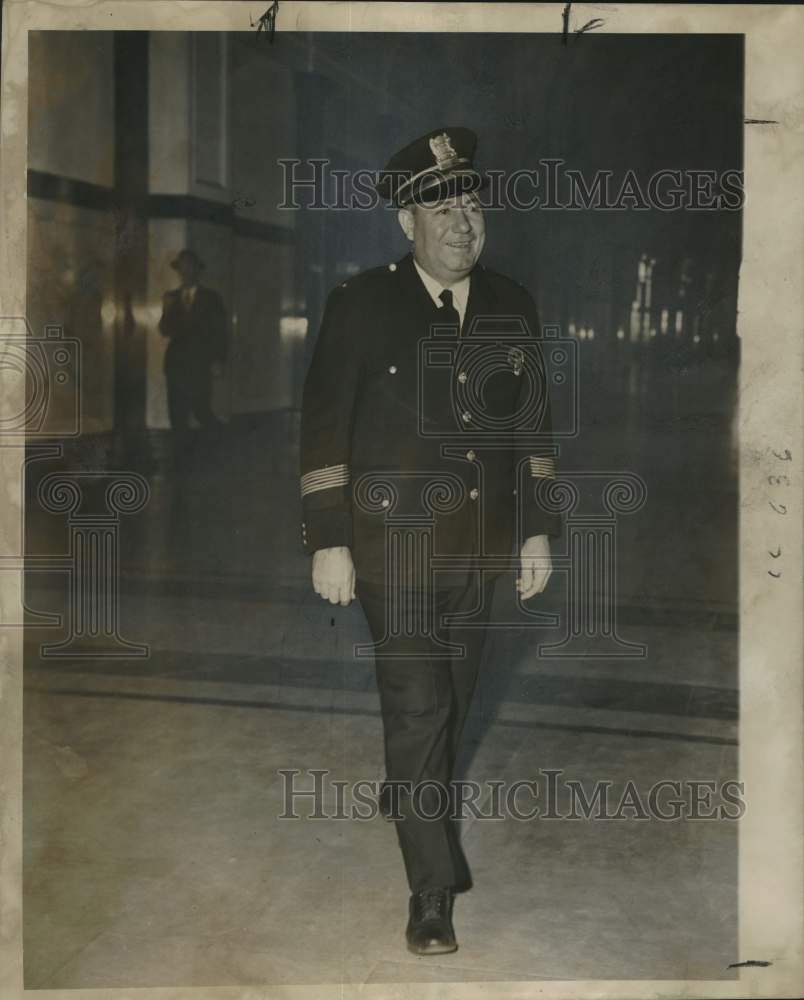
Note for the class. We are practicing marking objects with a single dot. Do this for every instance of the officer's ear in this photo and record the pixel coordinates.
(405, 216)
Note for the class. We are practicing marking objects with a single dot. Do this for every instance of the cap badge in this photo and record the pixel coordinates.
(443, 152)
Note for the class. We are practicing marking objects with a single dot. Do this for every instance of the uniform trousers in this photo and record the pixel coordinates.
(424, 699)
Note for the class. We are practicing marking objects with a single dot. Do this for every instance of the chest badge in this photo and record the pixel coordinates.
(516, 359)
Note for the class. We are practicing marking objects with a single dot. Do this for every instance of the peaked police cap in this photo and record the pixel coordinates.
(436, 166)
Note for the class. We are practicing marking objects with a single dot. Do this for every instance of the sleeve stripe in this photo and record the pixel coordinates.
(314, 479)
(541, 466)
(324, 479)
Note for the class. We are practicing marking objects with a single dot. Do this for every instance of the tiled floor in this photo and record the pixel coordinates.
(154, 855)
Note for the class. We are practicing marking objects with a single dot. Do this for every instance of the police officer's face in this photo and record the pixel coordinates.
(447, 237)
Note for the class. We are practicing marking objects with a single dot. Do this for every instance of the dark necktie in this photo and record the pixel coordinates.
(448, 314)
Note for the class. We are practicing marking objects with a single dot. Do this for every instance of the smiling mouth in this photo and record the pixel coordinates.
(460, 244)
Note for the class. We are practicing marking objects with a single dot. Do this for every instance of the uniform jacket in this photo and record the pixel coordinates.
(198, 335)
(408, 423)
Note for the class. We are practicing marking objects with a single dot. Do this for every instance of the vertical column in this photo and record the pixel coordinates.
(311, 266)
(131, 246)
(169, 153)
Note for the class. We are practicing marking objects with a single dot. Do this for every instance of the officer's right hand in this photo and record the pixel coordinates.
(334, 574)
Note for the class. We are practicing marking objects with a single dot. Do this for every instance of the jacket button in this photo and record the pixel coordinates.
(466, 417)
(471, 455)
(386, 502)
(392, 369)
(474, 494)
(392, 267)
(462, 377)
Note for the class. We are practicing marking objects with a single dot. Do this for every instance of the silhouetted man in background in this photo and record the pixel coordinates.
(194, 318)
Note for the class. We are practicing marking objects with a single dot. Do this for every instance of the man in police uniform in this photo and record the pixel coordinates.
(410, 462)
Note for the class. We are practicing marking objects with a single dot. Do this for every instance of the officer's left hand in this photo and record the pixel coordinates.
(536, 566)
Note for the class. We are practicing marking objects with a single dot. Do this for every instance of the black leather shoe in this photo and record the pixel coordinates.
(429, 930)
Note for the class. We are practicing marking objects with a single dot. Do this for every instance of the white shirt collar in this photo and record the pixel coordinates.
(460, 291)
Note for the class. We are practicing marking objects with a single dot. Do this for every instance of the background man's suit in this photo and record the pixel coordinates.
(198, 338)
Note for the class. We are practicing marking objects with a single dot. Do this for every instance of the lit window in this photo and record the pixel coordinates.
(292, 327)
(109, 313)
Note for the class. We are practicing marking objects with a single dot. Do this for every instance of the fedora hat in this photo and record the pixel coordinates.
(187, 255)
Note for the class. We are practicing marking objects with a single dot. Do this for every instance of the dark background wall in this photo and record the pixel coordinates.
(142, 143)
(604, 102)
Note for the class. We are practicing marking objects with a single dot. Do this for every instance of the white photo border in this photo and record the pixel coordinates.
(771, 328)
